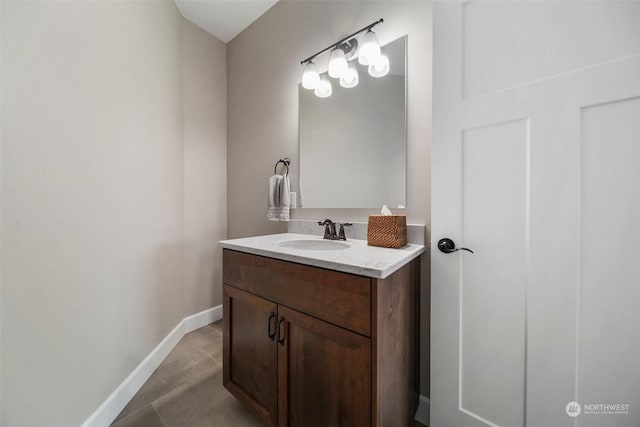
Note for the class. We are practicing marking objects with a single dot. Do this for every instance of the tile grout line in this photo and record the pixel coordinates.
(215, 329)
(120, 422)
(158, 415)
(210, 356)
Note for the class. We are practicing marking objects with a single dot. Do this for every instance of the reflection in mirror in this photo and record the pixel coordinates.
(353, 143)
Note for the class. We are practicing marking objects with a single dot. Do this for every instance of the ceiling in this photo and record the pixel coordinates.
(225, 19)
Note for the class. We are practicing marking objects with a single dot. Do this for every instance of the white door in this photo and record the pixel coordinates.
(536, 168)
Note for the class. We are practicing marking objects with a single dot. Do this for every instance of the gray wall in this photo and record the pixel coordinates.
(113, 189)
(263, 75)
(204, 77)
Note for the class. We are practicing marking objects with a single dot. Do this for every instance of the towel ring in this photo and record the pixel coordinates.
(286, 163)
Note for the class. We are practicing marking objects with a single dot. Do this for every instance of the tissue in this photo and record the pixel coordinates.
(385, 210)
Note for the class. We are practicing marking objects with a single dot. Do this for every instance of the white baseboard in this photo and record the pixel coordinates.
(422, 413)
(115, 403)
(198, 320)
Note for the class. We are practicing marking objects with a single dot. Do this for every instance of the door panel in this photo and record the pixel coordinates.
(250, 363)
(509, 43)
(328, 372)
(609, 326)
(494, 217)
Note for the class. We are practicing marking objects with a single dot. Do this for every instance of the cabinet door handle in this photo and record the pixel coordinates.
(271, 335)
(280, 330)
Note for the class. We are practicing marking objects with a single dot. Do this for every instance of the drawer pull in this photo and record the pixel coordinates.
(271, 335)
(280, 331)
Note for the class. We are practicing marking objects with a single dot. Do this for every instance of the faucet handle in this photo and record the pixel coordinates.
(328, 224)
(341, 235)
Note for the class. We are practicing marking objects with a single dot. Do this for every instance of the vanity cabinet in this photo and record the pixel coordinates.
(307, 346)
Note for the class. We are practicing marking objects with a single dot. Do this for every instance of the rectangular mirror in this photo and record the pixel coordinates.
(353, 144)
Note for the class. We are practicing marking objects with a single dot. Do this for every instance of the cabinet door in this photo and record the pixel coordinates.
(324, 373)
(250, 352)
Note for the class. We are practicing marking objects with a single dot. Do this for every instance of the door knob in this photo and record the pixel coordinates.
(447, 246)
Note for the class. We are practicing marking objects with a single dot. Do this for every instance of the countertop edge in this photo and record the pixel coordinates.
(331, 265)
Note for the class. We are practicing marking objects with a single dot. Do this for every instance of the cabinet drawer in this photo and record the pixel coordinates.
(339, 298)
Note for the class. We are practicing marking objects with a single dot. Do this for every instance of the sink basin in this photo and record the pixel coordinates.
(314, 244)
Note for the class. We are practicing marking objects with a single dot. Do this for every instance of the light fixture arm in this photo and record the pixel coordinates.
(367, 28)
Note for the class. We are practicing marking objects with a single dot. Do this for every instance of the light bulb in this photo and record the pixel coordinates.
(337, 63)
(369, 48)
(323, 88)
(379, 67)
(350, 78)
(310, 76)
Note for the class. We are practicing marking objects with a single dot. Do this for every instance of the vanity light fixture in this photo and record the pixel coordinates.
(323, 88)
(379, 67)
(342, 61)
(338, 64)
(350, 78)
(310, 76)
(370, 48)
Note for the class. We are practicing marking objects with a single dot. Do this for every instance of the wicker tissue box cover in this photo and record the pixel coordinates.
(387, 231)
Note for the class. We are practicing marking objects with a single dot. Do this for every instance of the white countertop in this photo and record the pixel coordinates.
(358, 258)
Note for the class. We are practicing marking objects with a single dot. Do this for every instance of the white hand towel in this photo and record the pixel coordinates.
(278, 206)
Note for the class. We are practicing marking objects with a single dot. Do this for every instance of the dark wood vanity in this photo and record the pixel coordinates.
(308, 346)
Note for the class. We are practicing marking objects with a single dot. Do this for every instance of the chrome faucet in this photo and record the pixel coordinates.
(330, 230)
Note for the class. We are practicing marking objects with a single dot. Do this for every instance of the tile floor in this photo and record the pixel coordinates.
(186, 390)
